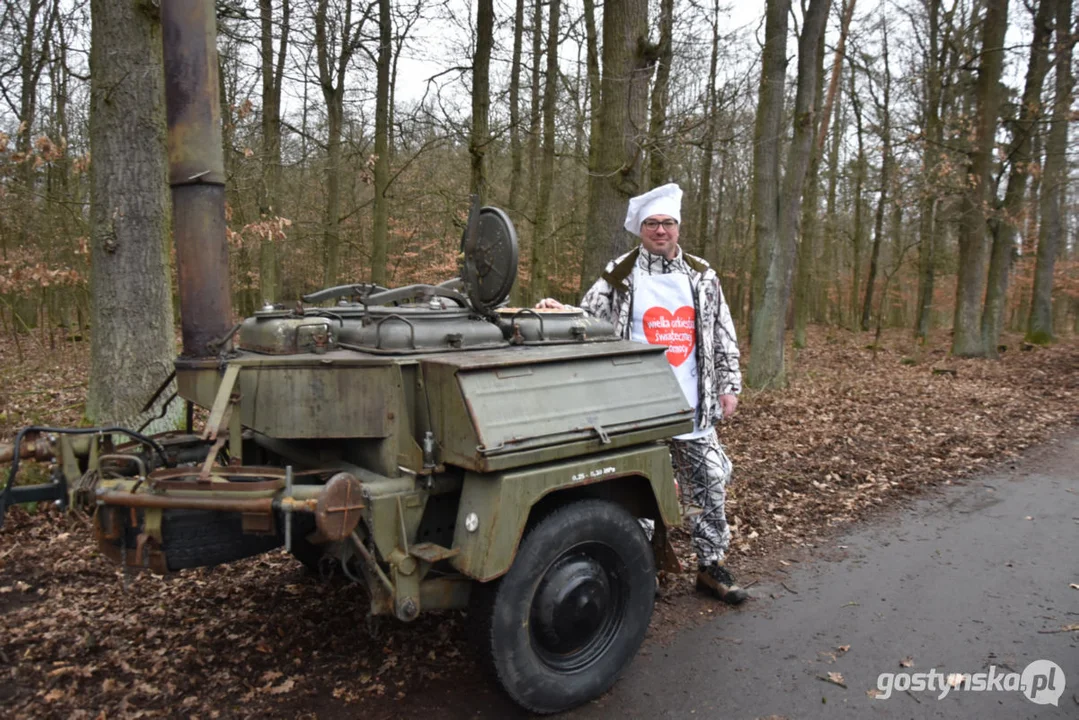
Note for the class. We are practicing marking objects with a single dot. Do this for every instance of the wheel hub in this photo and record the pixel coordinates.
(575, 608)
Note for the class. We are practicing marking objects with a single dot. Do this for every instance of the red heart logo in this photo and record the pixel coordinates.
(677, 331)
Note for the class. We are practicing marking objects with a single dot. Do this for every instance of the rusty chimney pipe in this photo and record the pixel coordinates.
(196, 172)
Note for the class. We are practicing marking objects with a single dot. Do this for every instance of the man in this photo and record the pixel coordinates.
(660, 295)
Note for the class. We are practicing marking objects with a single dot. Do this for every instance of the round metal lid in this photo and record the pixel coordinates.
(490, 258)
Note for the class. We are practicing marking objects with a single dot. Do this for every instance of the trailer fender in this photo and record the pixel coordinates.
(495, 507)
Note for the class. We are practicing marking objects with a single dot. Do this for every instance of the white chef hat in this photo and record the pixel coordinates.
(664, 200)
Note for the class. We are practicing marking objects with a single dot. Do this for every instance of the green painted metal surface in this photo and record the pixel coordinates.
(493, 410)
(502, 502)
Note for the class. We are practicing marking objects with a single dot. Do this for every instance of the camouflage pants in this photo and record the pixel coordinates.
(703, 471)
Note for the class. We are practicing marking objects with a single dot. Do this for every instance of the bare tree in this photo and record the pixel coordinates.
(1055, 177)
(615, 175)
(1005, 228)
(516, 160)
(379, 239)
(538, 284)
(337, 37)
(933, 139)
(884, 123)
(809, 245)
(481, 96)
(967, 338)
(860, 171)
(657, 129)
(704, 202)
(535, 117)
(594, 86)
(272, 71)
(777, 203)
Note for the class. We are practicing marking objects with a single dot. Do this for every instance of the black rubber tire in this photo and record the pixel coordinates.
(204, 538)
(602, 536)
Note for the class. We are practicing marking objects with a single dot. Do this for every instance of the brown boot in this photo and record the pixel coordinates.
(717, 581)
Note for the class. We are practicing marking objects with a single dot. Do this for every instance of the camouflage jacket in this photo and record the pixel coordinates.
(611, 299)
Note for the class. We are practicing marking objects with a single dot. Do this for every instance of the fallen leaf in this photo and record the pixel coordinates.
(1074, 586)
(270, 675)
(843, 648)
(906, 662)
(835, 678)
(283, 687)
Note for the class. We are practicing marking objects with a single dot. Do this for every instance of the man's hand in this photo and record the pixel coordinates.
(549, 304)
(728, 403)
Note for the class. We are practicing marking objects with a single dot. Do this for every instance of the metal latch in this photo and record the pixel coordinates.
(603, 436)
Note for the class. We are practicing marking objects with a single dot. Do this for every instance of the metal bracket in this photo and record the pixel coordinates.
(157, 393)
(222, 401)
(287, 508)
(431, 553)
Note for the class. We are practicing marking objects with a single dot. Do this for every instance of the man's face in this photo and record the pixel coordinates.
(659, 235)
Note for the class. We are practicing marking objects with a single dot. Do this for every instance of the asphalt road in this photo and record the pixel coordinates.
(975, 579)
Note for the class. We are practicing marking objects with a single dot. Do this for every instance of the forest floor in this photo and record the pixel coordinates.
(860, 430)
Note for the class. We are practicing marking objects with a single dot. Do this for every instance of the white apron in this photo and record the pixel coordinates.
(663, 314)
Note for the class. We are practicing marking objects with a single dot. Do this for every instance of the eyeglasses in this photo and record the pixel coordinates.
(655, 224)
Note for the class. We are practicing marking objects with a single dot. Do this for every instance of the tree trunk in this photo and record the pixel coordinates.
(658, 173)
(1055, 176)
(807, 246)
(380, 231)
(481, 97)
(1033, 219)
(831, 223)
(884, 114)
(331, 75)
(967, 337)
(535, 116)
(704, 202)
(594, 83)
(776, 235)
(766, 149)
(860, 165)
(878, 233)
(270, 186)
(538, 284)
(811, 221)
(623, 113)
(516, 159)
(1006, 228)
(933, 133)
(132, 348)
(331, 232)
